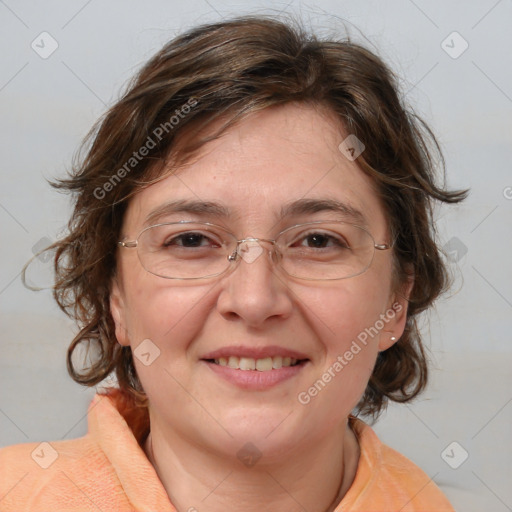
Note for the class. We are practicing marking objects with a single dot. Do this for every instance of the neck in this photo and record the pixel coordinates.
(313, 478)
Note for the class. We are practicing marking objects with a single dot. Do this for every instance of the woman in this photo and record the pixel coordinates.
(250, 248)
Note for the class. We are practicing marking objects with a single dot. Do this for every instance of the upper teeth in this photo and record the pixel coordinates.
(249, 363)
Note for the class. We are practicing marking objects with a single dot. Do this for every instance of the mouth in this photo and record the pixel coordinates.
(253, 368)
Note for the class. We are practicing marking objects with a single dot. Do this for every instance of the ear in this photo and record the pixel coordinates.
(396, 314)
(117, 310)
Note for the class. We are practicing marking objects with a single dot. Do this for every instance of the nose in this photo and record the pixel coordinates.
(254, 292)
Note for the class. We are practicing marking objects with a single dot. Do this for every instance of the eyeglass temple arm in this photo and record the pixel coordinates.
(128, 244)
(382, 247)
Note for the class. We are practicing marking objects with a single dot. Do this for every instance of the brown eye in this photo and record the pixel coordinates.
(322, 241)
(188, 240)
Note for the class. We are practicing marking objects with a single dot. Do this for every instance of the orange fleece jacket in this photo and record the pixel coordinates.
(107, 470)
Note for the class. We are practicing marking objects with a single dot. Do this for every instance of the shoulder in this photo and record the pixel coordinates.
(44, 456)
(386, 480)
(86, 473)
(43, 476)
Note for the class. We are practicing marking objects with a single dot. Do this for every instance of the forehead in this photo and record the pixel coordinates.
(259, 170)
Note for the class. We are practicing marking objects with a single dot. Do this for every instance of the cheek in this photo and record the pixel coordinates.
(344, 311)
(163, 312)
(163, 321)
(340, 381)
(347, 321)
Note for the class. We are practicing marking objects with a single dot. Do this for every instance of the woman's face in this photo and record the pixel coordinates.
(270, 160)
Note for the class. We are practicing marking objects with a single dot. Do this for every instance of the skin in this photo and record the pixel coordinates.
(199, 421)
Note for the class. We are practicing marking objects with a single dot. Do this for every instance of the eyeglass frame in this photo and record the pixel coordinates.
(235, 255)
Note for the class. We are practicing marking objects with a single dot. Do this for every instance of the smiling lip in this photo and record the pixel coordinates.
(253, 379)
(254, 352)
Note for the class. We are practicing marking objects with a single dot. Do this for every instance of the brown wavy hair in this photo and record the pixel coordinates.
(227, 70)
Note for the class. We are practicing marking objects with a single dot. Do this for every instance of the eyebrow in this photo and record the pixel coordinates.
(305, 206)
(186, 206)
(296, 208)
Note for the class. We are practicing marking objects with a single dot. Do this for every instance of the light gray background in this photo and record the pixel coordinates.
(48, 105)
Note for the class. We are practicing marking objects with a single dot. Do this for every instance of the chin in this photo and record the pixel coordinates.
(268, 428)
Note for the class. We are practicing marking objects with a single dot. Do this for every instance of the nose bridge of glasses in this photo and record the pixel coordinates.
(250, 249)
